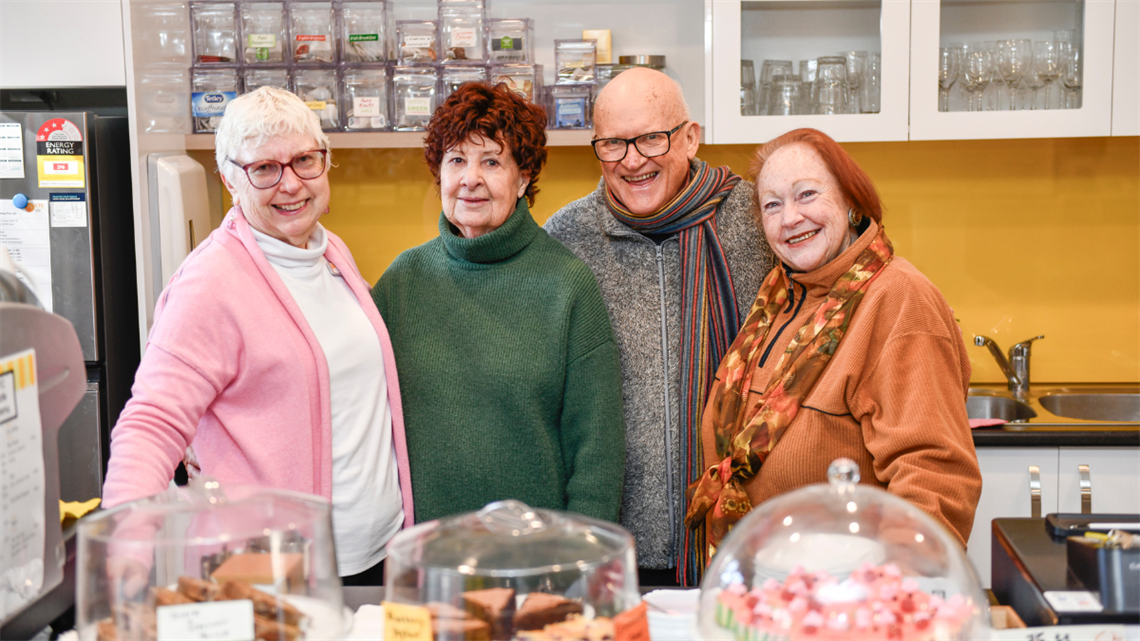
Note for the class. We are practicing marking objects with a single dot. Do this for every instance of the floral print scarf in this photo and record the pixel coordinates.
(744, 438)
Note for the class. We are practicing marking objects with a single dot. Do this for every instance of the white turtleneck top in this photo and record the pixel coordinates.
(366, 504)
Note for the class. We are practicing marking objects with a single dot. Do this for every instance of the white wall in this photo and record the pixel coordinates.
(61, 43)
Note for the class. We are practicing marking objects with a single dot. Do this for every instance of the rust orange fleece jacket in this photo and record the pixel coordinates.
(892, 398)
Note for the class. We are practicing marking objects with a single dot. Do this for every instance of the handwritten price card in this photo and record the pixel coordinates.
(406, 622)
(229, 620)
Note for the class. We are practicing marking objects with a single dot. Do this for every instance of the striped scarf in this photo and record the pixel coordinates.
(709, 316)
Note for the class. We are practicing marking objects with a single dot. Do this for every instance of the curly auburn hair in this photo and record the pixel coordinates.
(855, 184)
(495, 113)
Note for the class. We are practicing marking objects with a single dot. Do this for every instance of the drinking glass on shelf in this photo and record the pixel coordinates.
(948, 70)
(747, 88)
(992, 94)
(1014, 58)
(1033, 82)
(976, 73)
(1072, 76)
(769, 70)
(829, 94)
(873, 88)
(785, 97)
(856, 73)
(1047, 58)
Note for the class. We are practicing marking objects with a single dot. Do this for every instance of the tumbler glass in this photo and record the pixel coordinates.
(785, 96)
(873, 86)
(747, 88)
(829, 94)
(768, 70)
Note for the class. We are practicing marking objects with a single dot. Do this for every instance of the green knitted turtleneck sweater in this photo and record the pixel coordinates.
(509, 373)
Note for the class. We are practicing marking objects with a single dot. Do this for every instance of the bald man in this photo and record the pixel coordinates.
(679, 256)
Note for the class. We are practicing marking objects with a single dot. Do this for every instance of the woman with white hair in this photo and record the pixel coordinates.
(267, 354)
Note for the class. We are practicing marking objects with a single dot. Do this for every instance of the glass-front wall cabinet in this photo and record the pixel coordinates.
(1011, 69)
(838, 66)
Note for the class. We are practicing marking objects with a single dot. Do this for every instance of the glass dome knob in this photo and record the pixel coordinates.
(843, 474)
(511, 517)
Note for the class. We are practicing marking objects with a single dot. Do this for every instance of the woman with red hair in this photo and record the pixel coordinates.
(848, 351)
(508, 367)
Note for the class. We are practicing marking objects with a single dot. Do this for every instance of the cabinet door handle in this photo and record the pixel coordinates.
(1086, 489)
(1035, 491)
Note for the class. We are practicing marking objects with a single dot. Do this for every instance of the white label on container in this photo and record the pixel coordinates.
(231, 620)
(23, 527)
(1084, 632)
(315, 105)
(366, 106)
(266, 40)
(11, 150)
(1073, 601)
(68, 210)
(464, 37)
(418, 42)
(417, 106)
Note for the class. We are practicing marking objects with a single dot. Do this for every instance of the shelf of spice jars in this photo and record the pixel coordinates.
(402, 139)
(804, 33)
(1084, 107)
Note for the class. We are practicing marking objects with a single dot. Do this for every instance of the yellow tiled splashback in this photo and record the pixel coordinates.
(1023, 237)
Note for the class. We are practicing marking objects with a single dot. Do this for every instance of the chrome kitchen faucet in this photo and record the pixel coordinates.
(1016, 367)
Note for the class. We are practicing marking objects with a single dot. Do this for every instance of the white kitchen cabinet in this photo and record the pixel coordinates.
(1126, 70)
(1005, 493)
(798, 30)
(62, 43)
(1114, 475)
(938, 24)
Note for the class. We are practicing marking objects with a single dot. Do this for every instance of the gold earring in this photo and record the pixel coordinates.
(854, 218)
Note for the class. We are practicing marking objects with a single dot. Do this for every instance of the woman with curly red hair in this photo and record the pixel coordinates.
(508, 368)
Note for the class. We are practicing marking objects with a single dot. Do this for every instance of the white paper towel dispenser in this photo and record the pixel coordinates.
(179, 212)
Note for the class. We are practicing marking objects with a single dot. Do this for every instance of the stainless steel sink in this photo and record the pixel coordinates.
(1092, 406)
(1001, 407)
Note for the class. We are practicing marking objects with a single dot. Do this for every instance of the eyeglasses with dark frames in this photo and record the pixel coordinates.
(650, 145)
(264, 174)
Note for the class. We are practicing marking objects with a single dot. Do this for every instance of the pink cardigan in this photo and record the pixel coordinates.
(232, 367)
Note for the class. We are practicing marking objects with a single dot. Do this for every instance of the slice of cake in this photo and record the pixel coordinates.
(496, 606)
(541, 609)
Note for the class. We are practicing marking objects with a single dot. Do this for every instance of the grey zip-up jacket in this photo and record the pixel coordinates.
(641, 285)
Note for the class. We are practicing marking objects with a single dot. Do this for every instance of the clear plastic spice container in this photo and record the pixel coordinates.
(519, 78)
(312, 27)
(256, 77)
(574, 61)
(263, 32)
(841, 560)
(240, 562)
(570, 107)
(510, 40)
(317, 87)
(416, 42)
(163, 97)
(508, 569)
(461, 33)
(211, 90)
(215, 31)
(453, 77)
(164, 33)
(414, 97)
(364, 31)
(366, 99)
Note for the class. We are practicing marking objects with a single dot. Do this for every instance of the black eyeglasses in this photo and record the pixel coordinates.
(650, 145)
(264, 174)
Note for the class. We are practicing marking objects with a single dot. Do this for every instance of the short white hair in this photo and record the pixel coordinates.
(254, 118)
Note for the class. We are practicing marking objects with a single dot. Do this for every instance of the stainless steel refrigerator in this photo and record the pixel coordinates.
(65, 216)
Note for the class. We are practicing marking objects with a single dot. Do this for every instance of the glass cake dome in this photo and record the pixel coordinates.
(232, 562)
(509, 569)
(840, 561)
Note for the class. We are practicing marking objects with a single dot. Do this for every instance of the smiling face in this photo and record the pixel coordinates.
(640, 101)
(480, 184)
(289, 210)
(802, 208)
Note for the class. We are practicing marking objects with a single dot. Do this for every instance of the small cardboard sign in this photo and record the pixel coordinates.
(406, 622)
(230, 620)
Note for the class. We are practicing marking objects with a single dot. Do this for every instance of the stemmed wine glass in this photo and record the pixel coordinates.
(856, 70)
(1034, 81)
(1071, 76)
(948, 64)
(1047, 55)
(976, 73)
(1014, 57)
